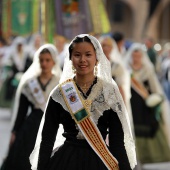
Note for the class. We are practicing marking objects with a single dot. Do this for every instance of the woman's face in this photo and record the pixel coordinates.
(137, 57)
(19, 47)
(84, 58)
(107, 47)
(46, 62)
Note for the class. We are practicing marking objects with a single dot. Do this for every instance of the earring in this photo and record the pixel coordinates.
(95, 70)
(74, 70)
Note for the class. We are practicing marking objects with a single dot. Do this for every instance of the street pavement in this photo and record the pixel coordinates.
(5, 118)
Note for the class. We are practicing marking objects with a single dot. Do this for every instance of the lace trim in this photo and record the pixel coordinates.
(96, 97)
(123, 117)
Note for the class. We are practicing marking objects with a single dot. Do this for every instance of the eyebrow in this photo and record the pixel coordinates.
(80, 52)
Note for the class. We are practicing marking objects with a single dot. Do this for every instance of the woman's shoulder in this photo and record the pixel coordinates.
(56, 90)
(56, 77)
(28, 81)
(57, 96)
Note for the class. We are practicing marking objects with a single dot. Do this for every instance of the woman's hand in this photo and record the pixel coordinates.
(12, 139)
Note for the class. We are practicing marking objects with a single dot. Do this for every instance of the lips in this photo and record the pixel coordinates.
(82, 66)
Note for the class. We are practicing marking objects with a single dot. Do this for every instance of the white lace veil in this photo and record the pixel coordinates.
(115, 57)
(104, 73)
(33, 71)
(102, 64)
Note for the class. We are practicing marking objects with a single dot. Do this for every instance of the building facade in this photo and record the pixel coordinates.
(135, 18)
(140, 18)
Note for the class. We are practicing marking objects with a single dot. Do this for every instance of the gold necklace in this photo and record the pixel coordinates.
(85, 87)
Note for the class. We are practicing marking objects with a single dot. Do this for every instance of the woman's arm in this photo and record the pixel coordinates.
(116, 141)
(49, 132)
(21, 113)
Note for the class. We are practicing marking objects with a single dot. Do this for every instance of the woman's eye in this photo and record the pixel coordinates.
(76, 55)
(88, 55)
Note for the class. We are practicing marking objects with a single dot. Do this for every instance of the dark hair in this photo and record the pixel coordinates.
(45, 50)
(76, 41)
(118, 36)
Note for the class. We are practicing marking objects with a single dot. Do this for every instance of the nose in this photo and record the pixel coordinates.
(83, 58)
(43, 64)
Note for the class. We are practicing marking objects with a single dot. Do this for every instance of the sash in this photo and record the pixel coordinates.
(37, 93)
(139, 88)
(79, 112)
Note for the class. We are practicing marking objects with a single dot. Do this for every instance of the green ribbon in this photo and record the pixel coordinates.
(80, 115)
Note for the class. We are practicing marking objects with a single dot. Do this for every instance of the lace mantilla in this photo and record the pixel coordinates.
(96, 96)
(103, 97)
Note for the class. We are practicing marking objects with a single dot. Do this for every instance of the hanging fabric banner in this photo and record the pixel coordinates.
(99, 17)
(72, 17)
(35, 15)
(6, 18)
(50, 21)
(21, 13)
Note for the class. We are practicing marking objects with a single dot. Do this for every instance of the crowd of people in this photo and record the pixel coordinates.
(71, 97)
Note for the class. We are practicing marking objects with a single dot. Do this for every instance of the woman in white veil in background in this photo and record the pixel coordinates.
(118, 70)
(150, 109)
(31, 97)
(15, 64)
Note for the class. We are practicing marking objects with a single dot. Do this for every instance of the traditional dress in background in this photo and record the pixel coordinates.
(3, 51)
(151, 122)
(30, 103)
(16, 63)
(118, 70)
(165, 73)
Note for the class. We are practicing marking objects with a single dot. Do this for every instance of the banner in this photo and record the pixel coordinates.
(72, 17)
(6, 18)
(99, 17)
(21, 14)
(81, 16)
(35, 15)
(50, 21)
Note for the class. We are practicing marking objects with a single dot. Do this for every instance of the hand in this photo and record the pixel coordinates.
(12, 139)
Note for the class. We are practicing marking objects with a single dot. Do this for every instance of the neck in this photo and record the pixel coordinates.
(60, 50)
(46, 75)
(84, 80)
(136, 66)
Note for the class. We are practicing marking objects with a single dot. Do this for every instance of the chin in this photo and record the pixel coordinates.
(45, 72)
(84, 73)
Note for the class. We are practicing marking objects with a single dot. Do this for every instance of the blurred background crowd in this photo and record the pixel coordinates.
(25, 25)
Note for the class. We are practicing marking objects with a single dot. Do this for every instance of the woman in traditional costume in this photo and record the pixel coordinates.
(31, 97)
(149, 108)
(87, 102)
(118, 70)
(15, 64)
(3, 50)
